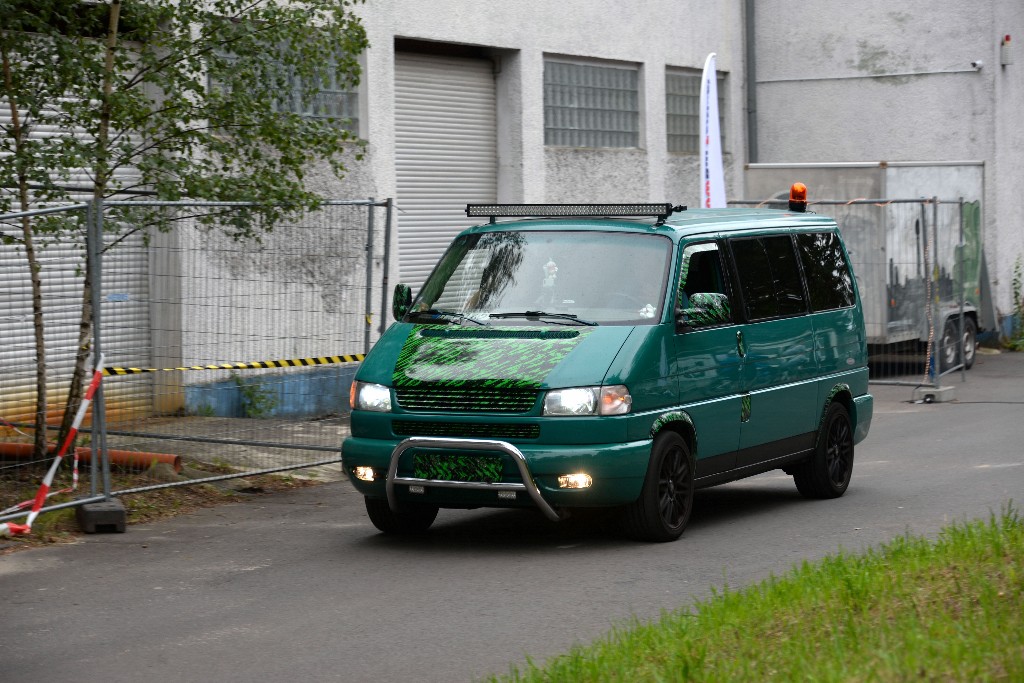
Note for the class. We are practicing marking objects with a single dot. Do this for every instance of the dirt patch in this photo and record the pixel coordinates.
(60, 526)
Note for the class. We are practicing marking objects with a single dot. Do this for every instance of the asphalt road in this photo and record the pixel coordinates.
(299, 586)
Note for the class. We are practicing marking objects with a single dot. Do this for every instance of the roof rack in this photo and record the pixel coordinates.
(492, 211)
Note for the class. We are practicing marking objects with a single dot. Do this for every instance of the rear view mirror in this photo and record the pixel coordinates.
(705, 309)
(401, 301)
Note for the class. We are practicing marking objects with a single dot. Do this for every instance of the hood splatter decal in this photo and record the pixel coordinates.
(505, 358)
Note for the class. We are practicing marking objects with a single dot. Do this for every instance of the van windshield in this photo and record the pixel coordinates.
(560, 277)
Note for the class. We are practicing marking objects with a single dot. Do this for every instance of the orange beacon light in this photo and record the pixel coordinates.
(798, 197)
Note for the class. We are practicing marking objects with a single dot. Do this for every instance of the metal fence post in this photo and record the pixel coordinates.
(930, 357)
(960, 266)
(387, 265)
(937, 326)
(95, 263)
(90, 249)
(369, 276)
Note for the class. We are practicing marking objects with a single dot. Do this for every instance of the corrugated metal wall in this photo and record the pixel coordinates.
(446, 153)
(62, 263)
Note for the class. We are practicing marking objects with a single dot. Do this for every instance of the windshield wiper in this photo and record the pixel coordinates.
(448, 314)
(535, 315)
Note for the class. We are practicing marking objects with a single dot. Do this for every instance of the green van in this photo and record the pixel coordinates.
(584, 356)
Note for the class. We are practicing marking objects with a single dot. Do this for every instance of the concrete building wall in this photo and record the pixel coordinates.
(518, 35)
(835, 83)
(874, 81)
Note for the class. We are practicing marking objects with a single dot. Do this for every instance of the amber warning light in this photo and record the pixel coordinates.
(798, 197)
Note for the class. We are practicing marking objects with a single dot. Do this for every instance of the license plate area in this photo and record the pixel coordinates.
(457, 467)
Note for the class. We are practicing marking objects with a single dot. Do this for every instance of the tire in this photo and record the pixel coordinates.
(827, 473)
(663, 509)
(949, 351)
(413, 518)
(970, 342)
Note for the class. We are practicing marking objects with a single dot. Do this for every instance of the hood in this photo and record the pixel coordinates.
(501, 357)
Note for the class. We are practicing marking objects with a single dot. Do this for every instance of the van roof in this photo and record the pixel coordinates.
(678, 225)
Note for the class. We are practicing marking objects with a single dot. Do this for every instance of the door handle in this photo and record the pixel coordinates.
(741, 346)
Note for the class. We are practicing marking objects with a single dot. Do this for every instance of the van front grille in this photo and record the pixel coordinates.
(466, 399)
(484, 431)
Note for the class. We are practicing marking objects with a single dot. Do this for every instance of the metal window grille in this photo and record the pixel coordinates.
(682, 110)
(591, 106)
(333, 100)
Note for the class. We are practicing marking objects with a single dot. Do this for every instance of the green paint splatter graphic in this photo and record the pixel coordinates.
(510, 358)
(453, 467)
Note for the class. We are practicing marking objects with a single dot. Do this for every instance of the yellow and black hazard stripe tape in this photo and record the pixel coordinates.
(289, 363)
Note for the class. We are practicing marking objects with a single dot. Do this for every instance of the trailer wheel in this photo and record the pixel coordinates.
(949, 350)
(970, 342)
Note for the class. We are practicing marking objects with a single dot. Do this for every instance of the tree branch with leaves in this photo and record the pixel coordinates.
(197, 99)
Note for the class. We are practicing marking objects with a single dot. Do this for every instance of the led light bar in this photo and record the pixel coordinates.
(492, 211)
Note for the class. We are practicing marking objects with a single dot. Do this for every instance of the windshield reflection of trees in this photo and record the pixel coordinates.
(506, 249)
(827, 273)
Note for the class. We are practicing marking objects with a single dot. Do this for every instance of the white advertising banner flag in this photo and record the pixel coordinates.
(712, 177)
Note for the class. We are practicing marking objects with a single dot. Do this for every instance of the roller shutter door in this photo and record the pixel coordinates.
(126, 322)
(446, 153)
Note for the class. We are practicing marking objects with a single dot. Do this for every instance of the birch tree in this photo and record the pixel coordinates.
(198, 99)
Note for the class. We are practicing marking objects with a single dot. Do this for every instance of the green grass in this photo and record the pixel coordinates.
(951, 609)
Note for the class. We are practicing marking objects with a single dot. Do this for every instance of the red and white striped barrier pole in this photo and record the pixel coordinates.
(11, 529)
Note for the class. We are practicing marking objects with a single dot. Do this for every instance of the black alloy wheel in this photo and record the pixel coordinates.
(663, 509)
(827, 473)
(411, 519)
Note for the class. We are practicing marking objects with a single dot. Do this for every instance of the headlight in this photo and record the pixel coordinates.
(611, 400)
(615, 400)
(367, 396)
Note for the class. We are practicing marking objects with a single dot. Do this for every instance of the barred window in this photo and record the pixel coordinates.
(333, 101)
(682, 109)
(587, 105)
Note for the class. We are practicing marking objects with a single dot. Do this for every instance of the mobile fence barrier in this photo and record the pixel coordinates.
(229, 348)
(919, 269)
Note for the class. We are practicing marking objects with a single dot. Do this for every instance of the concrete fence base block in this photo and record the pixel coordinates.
(103, 516)
(934, 394)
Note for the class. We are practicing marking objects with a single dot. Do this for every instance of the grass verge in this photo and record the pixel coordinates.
(951, 609)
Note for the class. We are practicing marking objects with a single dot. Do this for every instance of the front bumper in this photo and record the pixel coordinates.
(530, 477)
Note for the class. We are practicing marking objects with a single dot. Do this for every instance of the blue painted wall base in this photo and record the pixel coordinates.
(310, 393)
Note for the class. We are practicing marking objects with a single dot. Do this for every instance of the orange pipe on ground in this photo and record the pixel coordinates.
(135, 459)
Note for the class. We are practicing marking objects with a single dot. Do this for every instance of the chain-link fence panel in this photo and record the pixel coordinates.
(229, 348)
(917, 263)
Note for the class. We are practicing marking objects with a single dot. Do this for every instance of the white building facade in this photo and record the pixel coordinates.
(463, 102)
(534, 101)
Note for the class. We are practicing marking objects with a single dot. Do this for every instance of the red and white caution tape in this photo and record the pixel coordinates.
(11, 529)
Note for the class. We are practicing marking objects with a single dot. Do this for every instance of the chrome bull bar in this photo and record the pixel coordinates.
(528, 485)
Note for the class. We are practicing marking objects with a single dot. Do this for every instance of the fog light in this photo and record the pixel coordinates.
(364, 473)
(575, 481)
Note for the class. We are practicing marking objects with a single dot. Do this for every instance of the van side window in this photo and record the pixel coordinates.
(702, 274)
(769, 277)
(828, 274)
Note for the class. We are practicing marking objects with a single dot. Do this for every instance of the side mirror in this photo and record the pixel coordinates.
(401, 301)
(705, 309)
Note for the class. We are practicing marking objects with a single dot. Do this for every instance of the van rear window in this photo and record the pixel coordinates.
(828, 274)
